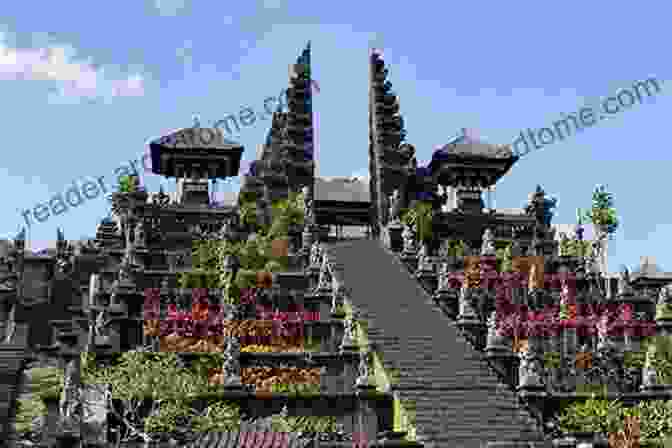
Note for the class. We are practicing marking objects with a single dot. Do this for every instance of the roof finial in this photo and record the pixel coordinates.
(197, 122)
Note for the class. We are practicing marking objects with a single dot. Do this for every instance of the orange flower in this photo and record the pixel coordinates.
(151, 328)
(264, 279)
(280, 247)
(199, 311)
(584, 360)
(520, 345)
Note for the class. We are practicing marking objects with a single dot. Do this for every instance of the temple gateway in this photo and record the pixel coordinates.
(442, 323)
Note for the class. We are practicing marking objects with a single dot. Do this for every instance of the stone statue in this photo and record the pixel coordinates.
(649, 375)
(231, 367)
(363, 378)
(324, 282)
(308, 204)
(423, 259)
(395, 207)
(530, 370)
(488, 246)
(100, 324)
(125, 268)
(315, 254)
(348, 337)
(409, 240)
(494, 338)
(624, 287)
(70, 403)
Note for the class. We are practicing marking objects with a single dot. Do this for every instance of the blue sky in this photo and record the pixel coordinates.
(86, 84)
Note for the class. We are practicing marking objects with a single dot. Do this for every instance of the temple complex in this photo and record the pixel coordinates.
(421, 332)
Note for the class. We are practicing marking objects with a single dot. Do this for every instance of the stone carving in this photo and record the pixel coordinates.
(140, 237)
(161, 199)
(665, 295)
(488, 246)
(8, 282)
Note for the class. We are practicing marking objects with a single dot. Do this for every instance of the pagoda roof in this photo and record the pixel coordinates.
(189, 138)
(194, 143)
(470, 146)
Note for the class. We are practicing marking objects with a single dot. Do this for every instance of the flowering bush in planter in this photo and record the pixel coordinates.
(266, 313)
(265, 378)
(604, 417)
(265, 332)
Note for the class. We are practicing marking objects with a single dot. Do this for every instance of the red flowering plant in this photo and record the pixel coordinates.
(455, 279)
(199, 304)
(248, 296)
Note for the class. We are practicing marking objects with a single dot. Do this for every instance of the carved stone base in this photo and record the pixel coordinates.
(396, 242)
(410, 260)
(449, 302)
(428, 280)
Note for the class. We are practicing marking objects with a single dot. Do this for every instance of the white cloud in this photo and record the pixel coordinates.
(56, 63)
(170, 7)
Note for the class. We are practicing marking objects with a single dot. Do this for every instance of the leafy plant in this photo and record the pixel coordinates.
(603, 212)
(601, 416)
(420, 215)
(284, 423)
(655, 419)
(505, 258)
(593, 415)
(661, 348)
(47, 382)
(29, 417)
(575, 248)
(551, 360)
(246, 278)
(455, 248)
(634, 360)
(128, 184)
(158, 376)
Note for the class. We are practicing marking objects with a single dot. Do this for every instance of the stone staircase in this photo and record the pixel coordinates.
(12, 356)
(459, 401)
